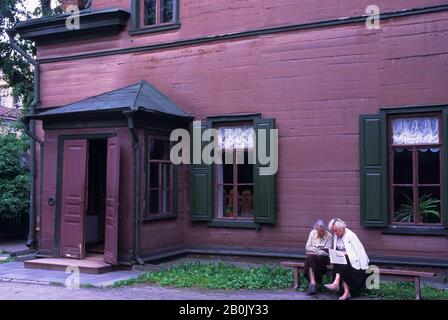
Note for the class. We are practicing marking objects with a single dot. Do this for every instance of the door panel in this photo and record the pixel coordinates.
(112, 204)
(73, 198)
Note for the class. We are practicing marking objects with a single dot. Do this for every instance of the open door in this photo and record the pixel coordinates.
(112, 194)
(73, 198)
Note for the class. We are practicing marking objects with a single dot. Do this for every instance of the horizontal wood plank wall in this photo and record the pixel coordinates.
(210, 17)
(315, 83)
(48, 215)
(164, 233)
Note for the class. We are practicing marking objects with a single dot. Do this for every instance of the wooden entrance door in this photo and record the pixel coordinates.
(73, 198)
(112, 197)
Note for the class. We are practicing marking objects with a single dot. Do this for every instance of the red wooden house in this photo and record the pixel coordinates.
(361, 113)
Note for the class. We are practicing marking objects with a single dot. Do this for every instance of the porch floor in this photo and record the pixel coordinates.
(93, 264)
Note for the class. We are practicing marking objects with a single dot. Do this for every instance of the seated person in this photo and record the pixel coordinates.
(317, 258)
(353, 274)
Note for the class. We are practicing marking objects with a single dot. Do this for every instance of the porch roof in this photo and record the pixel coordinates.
(137, 97)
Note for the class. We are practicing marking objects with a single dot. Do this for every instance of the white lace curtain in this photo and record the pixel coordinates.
(415, 131)
(236, 137)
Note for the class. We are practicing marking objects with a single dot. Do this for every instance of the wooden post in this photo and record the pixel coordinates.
(296, 278)
(417, 288)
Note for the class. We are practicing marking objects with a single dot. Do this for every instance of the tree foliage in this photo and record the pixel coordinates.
(14, 177)
(17, 72)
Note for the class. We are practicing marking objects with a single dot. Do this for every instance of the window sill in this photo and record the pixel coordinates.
(154, 29)
(415, 230)
(159, 217)
(234, 224)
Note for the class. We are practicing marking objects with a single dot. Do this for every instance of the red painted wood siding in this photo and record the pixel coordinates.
(314, 82)
(209, 17)
(47, 215)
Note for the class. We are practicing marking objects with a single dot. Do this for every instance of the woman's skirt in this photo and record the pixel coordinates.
(318, 264)
(355, 279)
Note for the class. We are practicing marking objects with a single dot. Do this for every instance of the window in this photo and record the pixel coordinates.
(239, 191)
(160, 177)
(403, 166)
(415, 151)
(234, 178)
(154, 15)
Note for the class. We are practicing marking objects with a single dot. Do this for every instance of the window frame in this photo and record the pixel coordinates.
(233, 119)
(138, 19)
(235, 183)
(147, 215)
(415, 181)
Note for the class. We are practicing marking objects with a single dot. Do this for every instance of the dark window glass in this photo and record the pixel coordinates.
(154, 175)
(429, 204)
(153, 201)
(160, 170)
(246, 201)
(166, 11)
(159, 149)
(150, 12)
(403, 204)
(246, 170)
(402, 165)
(428, 165)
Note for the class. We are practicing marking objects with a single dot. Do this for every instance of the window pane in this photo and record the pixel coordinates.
(415, 131)
(246, 201)
(150, 12)
(166, 201)
(403, 204)
(224, 171)
(228, 199)
(153, 201)
(429, 204)
(166, 10)
(245, 171)
(154, 175)
(428, 165)
(402, 166)
(159, 149)
(166, 175)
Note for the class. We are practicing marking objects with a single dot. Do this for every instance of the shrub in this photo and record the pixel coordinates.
(14, 176)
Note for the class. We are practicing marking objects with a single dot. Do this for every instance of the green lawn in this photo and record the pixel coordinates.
(228, 276)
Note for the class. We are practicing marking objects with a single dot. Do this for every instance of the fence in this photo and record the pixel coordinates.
(13, 228)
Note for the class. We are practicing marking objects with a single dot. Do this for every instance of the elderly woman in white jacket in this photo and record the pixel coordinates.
(353, 274)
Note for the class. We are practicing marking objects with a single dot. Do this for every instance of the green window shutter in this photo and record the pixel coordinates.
(201, 204)
(264, 188)
(373, 170)
(445, 166)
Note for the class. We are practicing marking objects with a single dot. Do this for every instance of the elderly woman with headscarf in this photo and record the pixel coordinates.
(353, 274)
(317, 260)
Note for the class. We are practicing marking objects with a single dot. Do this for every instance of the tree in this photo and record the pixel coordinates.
(17, 73)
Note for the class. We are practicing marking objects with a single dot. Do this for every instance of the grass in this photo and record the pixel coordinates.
(9, 259)
(216, 276)
(268, 277)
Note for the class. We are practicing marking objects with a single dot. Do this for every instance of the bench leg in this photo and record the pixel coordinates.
(296, 278)
(417, 288)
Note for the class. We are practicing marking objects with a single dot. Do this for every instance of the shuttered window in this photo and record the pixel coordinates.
(403, 169)
(237, 191)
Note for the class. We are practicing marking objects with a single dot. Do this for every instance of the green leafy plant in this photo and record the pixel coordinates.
(14, 176)
(427, 207)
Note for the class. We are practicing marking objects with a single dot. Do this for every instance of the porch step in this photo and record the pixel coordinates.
(91, 264)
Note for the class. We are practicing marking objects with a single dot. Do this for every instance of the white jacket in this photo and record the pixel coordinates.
(355, 250)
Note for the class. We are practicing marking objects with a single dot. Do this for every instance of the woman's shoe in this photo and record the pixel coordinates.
(331, 287)
(345, 297)
(311, 289)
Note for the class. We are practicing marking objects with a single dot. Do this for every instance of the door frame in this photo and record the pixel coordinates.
(59, 172)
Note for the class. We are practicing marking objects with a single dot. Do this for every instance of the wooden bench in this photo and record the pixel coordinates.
(405, 275)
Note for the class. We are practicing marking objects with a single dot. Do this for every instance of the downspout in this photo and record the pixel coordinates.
(136, 253)
(31, 242)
